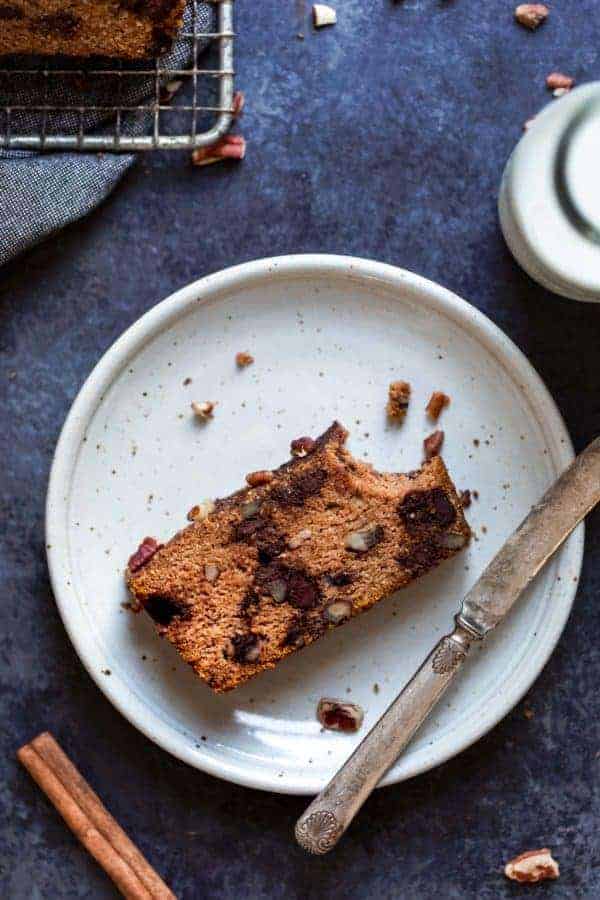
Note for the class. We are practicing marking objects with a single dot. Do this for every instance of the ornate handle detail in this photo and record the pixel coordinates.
(321, 826)
(318, 832)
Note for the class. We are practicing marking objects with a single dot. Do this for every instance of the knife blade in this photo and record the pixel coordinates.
(540, 534)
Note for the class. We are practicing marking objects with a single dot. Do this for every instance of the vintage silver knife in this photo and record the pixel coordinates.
(540, 534)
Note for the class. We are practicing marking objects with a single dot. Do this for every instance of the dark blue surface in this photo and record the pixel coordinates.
(383, 137)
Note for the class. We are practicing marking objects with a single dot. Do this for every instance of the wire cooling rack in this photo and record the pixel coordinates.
(187, 107)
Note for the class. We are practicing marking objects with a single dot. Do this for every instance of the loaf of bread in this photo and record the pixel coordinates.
(123, 29)
(298, 552)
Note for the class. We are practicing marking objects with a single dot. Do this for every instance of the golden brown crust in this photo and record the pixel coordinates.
(276, 565)
(122, 29)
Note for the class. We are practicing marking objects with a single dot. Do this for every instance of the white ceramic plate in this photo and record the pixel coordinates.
(328, 334)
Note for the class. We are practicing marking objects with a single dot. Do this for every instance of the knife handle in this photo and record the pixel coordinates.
(324, 822)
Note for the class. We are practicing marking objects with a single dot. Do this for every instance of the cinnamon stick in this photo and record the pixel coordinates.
(90, 821)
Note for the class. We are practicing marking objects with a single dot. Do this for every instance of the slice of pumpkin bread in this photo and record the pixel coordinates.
(300, 550)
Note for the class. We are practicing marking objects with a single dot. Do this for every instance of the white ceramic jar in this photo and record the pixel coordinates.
(549, 200)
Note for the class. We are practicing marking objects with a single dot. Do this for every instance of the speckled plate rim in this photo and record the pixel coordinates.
(117, 690)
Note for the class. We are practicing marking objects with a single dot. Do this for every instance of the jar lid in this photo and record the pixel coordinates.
(578, 171)
(550, 196)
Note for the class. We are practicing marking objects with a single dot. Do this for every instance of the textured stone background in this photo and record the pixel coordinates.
(384, 137)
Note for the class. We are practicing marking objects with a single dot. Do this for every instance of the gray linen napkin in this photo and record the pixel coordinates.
(42, 192)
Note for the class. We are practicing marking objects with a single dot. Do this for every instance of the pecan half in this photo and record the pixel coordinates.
(558, 81)
(532, 866)
(243, 359)
(398, 400)
(237, 106)
(531, 15)
(211, 572)
(169, 89)
(232, 146)
(337, 715)
(143, 554)
(437, 402)
(203, 409)
(363, 540)
(243, 648)
(299, 538)
(255, 479)
(201, 511)
(433, 444)
(338, 612)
